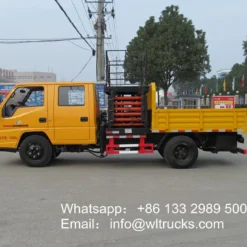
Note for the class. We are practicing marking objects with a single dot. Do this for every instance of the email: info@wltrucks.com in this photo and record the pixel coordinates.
(140, 225)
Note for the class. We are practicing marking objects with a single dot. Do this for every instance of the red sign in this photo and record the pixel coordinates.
(221, 102)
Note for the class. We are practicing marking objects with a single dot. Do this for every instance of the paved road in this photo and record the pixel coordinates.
(30, 212)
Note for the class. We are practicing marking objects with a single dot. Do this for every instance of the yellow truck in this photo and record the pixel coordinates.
(67, 118)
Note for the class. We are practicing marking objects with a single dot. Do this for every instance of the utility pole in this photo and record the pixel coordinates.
(100, 28)
(100, 49)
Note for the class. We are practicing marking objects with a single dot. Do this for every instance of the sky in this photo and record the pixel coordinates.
(223, 21)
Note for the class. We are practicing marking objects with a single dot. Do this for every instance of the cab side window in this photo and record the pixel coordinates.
(71, 96)
(23, 97)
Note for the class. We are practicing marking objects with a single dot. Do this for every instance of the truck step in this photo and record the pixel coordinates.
(143, 147)
(127, 145)
(126, 152)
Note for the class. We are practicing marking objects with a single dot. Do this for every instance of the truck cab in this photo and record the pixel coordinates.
(64, 113)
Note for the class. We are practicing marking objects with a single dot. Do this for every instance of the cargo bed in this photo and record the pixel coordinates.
(195, 120)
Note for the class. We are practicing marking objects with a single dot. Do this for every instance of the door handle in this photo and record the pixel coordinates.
(84, 119)
(42, 120)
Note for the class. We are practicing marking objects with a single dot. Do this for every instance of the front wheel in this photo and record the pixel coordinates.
(181, 152)
(36, 151)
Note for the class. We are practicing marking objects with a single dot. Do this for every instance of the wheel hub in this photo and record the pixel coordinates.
(34, 151)
(181, 152)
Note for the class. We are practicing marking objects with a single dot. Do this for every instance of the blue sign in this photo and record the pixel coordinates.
(6, 87)
(102, 96)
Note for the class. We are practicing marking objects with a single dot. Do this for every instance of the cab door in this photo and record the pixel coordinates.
(71, 114)
(25, 110)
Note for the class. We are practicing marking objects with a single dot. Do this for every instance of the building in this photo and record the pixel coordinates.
(16, 76)
(6, 75)
(222, 73)
(33, 76)
(189, 101)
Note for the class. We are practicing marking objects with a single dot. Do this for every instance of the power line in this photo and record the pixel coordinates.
(44, 39)
(59, 5)
(17, 41)
(87, 14)
(111, 44)
(79, 46)
(80, 19)
(108, 18)
(82, 68)
(114, 44)
(114, 31)
(115, 27)
(93, 6)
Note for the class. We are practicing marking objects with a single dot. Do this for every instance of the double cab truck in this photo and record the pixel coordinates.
(67, 118)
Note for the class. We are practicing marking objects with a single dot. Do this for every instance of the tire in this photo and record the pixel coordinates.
(181, 152)
(36, 151)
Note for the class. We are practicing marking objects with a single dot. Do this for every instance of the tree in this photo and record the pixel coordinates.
(237, 72)
(208, 85)
(245, 50)
(174, 51)
(136, 67)
(191, 86)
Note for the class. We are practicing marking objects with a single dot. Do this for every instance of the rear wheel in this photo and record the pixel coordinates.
(36, 151)
(181, 152)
